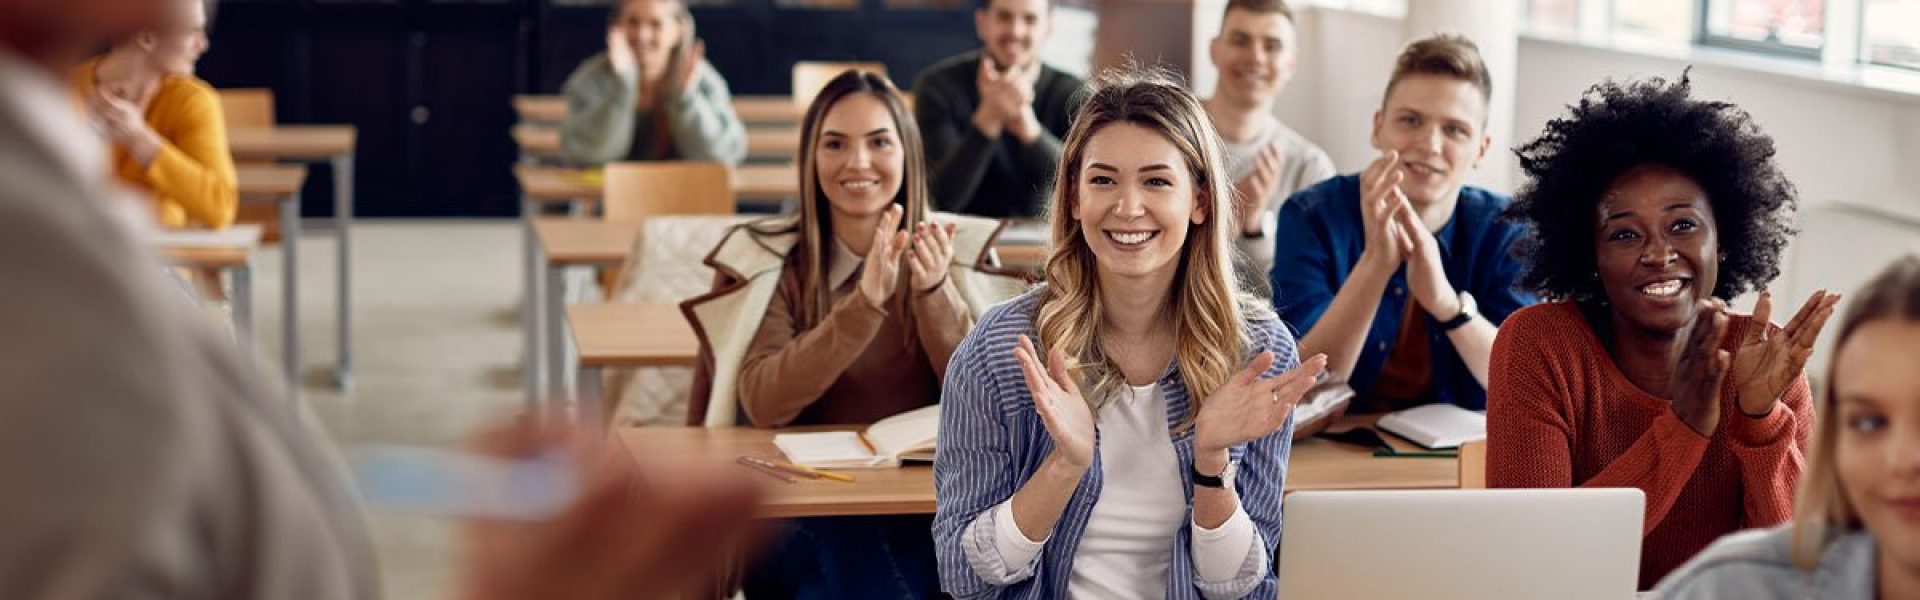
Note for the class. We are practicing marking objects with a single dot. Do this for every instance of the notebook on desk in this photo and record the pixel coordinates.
(1567, 544)
(908, 436)
(1436, 426)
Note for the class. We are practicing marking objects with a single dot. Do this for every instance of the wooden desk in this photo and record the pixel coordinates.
(543, 186)
(281, 184)
(625, 335)
(563, 242)
(554, 185)
(631, 335)
(906, 490)
(771, 110)
(534, 108)
(333, 144)
(1314, 465)
(753, 110)
(764, 143)
(232, 253)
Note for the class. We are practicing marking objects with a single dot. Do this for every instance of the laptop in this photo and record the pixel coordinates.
(1568, 544)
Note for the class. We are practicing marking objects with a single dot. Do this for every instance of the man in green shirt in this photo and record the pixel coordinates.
(992, 118)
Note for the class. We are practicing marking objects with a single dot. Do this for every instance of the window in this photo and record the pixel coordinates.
(1780, 26)
(1890, 32)
(1555, 17)
(1666, 20)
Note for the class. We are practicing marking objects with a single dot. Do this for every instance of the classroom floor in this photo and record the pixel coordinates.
(437, 349)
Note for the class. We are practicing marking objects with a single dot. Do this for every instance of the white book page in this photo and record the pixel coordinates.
(826, 448)
(905, 432)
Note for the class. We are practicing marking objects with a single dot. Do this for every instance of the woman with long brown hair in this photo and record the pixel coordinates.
(651, 95)
(1162, 479)
(845, 313)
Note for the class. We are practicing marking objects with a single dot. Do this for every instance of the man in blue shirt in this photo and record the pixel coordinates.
(1400, 273)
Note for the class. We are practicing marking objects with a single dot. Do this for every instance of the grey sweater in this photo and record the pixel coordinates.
(1754, 565)
(1305, 164)
(603, 126)
(991, 177)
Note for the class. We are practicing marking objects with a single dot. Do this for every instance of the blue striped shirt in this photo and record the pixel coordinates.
(992, 442)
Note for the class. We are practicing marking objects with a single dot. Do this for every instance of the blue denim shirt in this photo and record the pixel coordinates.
(992, 441)
(1319, 238)
(1754, 565)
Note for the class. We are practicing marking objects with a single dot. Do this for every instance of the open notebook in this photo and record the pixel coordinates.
(1436, 426)
(905, 436)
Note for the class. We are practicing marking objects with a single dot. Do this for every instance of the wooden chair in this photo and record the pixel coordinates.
(252, 108)
(637, 190)
(809, 76)
(633, 191)
(1473, 465)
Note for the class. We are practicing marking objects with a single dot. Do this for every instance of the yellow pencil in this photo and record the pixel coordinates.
(812, 472)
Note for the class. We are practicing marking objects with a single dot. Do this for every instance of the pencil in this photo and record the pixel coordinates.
(812, 473)
(765, 467)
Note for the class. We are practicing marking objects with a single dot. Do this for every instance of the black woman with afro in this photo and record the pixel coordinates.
(1649, 209)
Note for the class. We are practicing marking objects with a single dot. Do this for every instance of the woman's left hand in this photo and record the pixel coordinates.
(1248, 408)
(696, 52)
(932, 252)
(1771, 357)
(124, 124)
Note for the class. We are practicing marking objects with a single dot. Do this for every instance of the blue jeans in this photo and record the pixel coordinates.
(846, 557)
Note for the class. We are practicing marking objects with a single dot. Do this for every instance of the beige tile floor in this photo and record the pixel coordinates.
(437, 348)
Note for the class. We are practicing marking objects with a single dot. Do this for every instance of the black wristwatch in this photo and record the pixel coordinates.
(1468, 310)
(1224, 480)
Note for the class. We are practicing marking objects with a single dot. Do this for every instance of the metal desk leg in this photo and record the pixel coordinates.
(343, 220)
(530, 309)
(556, 332)
(290, 292)
(243, 304)
(590, 400)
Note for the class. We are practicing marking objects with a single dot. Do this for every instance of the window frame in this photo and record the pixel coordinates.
(1703, 37)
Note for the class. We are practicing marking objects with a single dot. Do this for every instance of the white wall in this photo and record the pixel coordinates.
(1847, 148)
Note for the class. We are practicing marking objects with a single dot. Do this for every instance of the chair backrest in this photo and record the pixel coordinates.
(637, 190)
(252, 108)
(247, 108)
(1473, 464)
(810, 76)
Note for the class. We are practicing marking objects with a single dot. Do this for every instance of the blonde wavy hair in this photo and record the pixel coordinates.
(1822, 512)
(1207, 310)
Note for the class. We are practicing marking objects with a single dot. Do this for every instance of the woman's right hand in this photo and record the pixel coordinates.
(880, 273)
(1057, 398)
(621, 54)
(1699, 367)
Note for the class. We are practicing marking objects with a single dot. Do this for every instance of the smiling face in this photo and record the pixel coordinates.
(1012, 30)
(1255, 54)
(1436, 122)
(858, 158)
(1656, 248)
(177, 46)
(1877, 447)
(1135, 200)
(653, 28)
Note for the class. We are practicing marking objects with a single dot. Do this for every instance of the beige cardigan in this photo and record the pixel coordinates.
(747, 263)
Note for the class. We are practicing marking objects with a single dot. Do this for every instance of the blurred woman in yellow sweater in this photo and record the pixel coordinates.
(168, 135)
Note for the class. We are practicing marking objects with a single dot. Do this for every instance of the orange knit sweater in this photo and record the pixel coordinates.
(191, 179)
(1561, 414)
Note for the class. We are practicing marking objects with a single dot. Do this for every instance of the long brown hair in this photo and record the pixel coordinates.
(1207, 309)
(1823, 510)
(815, 224)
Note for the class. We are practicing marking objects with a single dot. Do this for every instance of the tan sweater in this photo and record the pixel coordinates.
(861, 363)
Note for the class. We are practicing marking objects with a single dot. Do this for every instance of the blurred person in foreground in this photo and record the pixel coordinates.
(146, 457)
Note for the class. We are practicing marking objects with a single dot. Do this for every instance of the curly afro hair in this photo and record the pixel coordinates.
(1617, 127)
